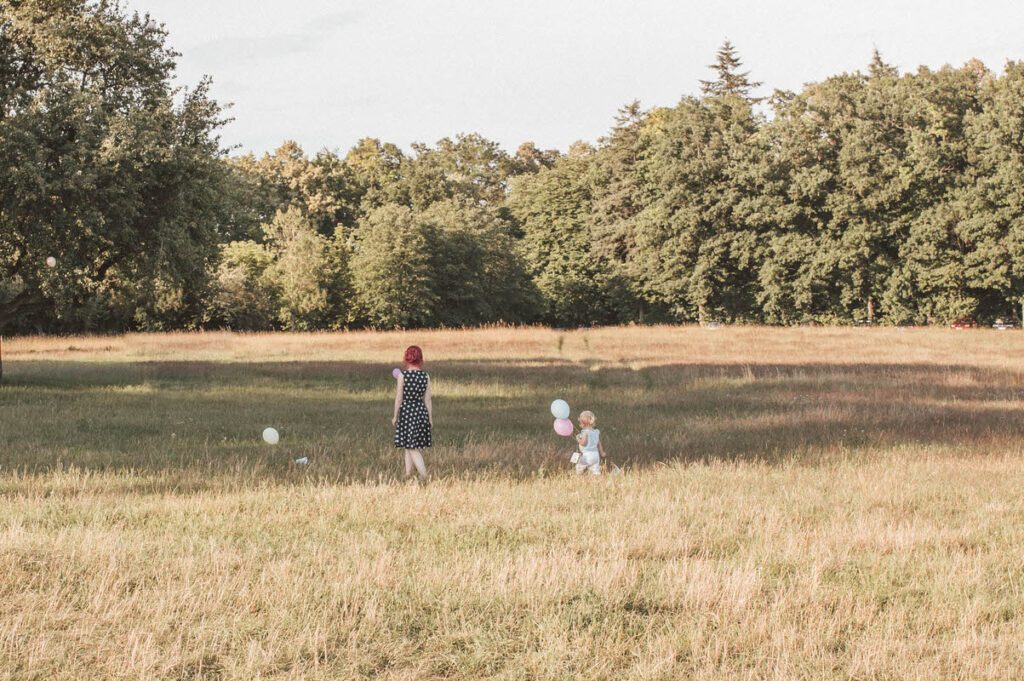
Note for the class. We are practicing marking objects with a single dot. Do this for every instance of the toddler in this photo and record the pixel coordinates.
(591, 448)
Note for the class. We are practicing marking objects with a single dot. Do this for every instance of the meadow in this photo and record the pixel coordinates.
(797, 504)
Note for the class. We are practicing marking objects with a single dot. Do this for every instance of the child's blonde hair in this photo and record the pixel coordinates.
(588, 418)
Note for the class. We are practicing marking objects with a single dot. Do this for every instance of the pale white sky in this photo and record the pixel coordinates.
(327, 72)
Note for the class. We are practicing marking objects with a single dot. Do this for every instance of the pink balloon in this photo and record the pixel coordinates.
(396, 373)
(563, 427)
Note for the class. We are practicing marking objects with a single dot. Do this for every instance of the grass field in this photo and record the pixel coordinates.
(797, 503)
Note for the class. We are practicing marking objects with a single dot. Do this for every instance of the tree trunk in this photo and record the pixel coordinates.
(700, 314)
(871, 311)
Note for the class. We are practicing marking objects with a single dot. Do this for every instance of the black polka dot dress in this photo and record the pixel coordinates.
(413, 429)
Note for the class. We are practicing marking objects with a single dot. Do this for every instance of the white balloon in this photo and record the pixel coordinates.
(51, 261)
(270, 436)
(560, 409)
(303, 461)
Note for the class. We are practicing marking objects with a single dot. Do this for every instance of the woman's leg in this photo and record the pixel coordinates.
(417, 460)
(408, 463)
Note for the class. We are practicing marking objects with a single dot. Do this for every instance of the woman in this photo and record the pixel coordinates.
(414, 415)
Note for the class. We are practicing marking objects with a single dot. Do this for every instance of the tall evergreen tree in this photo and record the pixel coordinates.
(729, 80)
(879, 68)
(696, 253)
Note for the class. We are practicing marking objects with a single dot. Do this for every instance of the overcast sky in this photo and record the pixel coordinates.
(327, 72)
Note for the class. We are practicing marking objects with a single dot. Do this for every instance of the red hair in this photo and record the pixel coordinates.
(413, 357)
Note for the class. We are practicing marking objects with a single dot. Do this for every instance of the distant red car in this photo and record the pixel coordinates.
(964, 323)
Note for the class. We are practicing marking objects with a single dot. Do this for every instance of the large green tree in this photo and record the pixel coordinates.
(869, 196)
(868, 209)
(618, 194)
(391, 269)
(577, 284)
(479, 275)
(468, 166)
(694, 250)
(993, 197)
(935, 279)
(105, 167)
(325, 188)
(245, 296)
(309, 271)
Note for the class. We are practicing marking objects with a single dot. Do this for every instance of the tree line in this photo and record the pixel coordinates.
(874, 196)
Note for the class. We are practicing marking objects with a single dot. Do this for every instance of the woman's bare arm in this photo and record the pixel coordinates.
(398, 400)
(430, 405)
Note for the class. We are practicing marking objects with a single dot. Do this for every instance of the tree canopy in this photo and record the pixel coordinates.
(873, 196)
(104, 167)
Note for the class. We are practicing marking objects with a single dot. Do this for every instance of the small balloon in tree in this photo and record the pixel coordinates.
(51, 262)
(271, 436)
(563, 427)
(396, 373)
(560, 409)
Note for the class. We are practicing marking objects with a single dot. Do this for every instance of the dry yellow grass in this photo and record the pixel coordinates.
(808, 504)
(613, 346)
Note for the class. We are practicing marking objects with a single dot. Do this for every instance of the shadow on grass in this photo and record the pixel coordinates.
(492, 418)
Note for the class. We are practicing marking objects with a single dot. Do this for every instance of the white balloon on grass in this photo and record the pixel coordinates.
(271, 436)
(303, 461)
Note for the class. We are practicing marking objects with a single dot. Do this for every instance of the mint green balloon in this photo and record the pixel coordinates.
(560, 409)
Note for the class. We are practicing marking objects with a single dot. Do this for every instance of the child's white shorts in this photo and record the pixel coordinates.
(589, 464)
